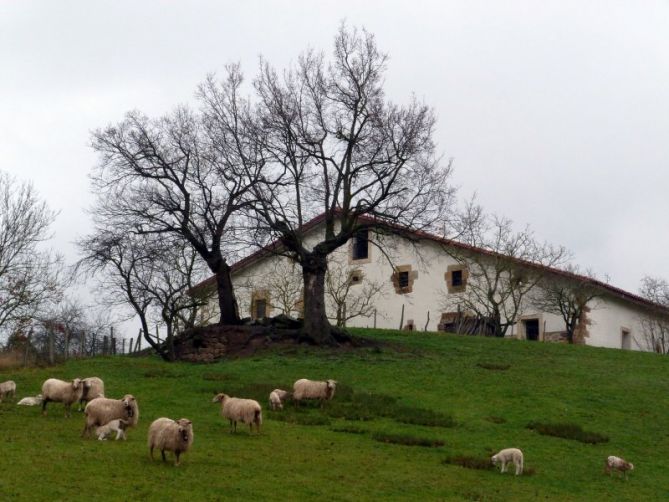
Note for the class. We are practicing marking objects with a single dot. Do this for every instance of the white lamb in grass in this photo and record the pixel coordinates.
(618, 464)
(507, 456)
(117, 426)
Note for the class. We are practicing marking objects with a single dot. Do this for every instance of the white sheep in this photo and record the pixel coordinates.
(170, 435)
(236, 410)
(618, 464)
(7, 389)
(61, 392)
(313, 389)
(118, 426)
(276, 397)
(102, 410)
(509, 455)
(31, 401)
(93, 387)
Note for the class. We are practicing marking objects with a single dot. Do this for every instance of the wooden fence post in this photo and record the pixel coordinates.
(105, 345)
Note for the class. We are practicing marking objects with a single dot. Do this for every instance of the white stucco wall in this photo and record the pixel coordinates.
(429, 264)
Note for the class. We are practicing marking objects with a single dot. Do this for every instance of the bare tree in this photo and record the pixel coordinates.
(570, 297)
(30, 278)
(348, 293)
(655, 324)
(502, 267)
(335, 146)
(185, 174)
(152, 275)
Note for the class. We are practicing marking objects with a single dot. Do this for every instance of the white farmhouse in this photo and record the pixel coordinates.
(413, 282)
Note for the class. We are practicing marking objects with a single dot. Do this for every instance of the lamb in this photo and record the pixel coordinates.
(509, 455)
(276, 397)
(31, 401)
(170, 435)
(618, 464)
(7, 389)
(61, 392)
(118, 426)
(312, 389)
(236, 410)
(102, 410)
(93, 387)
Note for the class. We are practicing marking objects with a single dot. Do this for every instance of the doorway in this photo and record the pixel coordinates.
(531, 329)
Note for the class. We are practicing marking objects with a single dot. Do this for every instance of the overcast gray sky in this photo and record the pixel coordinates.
(555, 112)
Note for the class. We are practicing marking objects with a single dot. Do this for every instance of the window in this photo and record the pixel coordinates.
(361, 245)
(403, 279)
(456, 278)
(261, 308)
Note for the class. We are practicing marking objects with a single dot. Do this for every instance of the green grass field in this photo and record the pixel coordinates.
(400, 412)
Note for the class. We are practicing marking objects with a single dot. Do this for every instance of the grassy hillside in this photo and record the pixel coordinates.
(463, 398)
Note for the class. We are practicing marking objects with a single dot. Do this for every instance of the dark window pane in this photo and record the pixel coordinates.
(361, 245)
(456, 278)
(403, 279)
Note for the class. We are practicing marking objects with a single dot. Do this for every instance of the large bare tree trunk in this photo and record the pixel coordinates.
(316, 324)
(226, 297)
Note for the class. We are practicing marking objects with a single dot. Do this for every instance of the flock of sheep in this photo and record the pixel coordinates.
(110, 416)
(114, 416)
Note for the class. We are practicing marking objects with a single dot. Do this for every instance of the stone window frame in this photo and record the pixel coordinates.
(448, 277)
(413, 275)
(355, 273)
(351, 245)
(260, 294)
(522, 334)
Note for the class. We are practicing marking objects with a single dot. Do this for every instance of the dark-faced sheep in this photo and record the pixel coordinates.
(61, 392)
(236, 410)
(102, 410)
(170, 435)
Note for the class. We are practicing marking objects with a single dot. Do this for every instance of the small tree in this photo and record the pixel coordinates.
(655, 324)
(570, 297)
(503, 266)
(349, 293)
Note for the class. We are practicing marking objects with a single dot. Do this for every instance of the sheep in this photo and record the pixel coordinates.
(118, 426)
(276, 397)
(509, 455)
(7, 389)
(618, 464)
(240, 410)
(101, 411)
(93, 387)
(312, 389)
(170, 435)
(31, 401)
(61, 392)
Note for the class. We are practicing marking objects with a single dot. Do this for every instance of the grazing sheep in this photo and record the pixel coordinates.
(509, 455)
(61, 392)
(31, 401)
(93, 387)
(312, 389)
(276, 397)
(236, 410)
(618, 464)
(101, 411)
(118, 426)
(170, 435)
(7, 389)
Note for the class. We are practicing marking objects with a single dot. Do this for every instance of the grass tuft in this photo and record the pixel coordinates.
(496, 420)
(568, 431)
(350, 429)
(407, 440)
(470, 462)
(493, 366)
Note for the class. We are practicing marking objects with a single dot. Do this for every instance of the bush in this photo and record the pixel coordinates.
(568, 431)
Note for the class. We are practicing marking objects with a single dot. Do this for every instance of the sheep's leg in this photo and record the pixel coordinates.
(151, 452)
(177, 453)
(162, 452)
(230, 426)
(44, 403)
(67, 410)
(503, 466)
